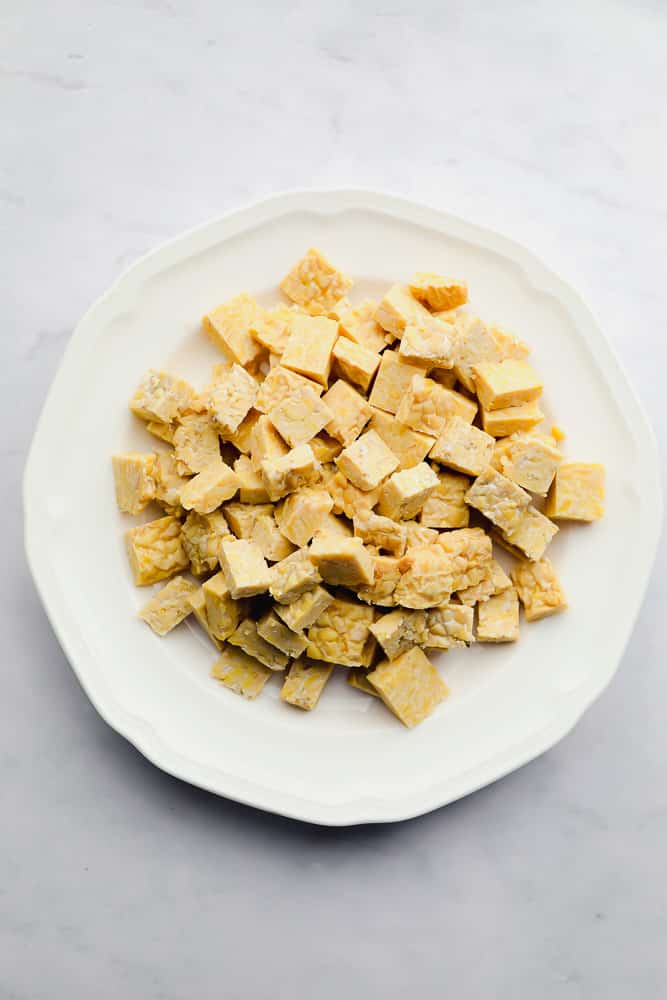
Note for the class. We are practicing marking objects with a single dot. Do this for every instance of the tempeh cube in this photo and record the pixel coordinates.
(410, 686)
(240, 672)
(539, 589)
(169, 606)
(498, 618)
(134, 479)
(304, 683)
(155, 550)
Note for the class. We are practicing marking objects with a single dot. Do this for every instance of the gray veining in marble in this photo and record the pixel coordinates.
(124, 123)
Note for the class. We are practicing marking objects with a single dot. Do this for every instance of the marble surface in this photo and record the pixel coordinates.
(126, 122)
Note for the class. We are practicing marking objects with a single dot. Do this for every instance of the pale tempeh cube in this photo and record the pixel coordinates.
(201, 535)
(223, 613)
(498, 498)
(386, 575)
(168, 483)
(300, 416)
(446, 506)
(169, 606)
(392, 381)
(350, 412)
(356, 363)
(244, 567)
(426, 406)
(240, 672)
(241, 438)
(196, 443)
(155, 550)
(530, 460)
(272, 543)
(448, 625)
(347, 499)
(439, 292)
(306, 609)
(270, 328)
(198, 605)
(270, 628)
(539, 589)
(294, 470)
(228, 327)
(410, 447)
(405, 492)
(470, 551)
(498, 618)
(304, 683)
(162, 397)
(342, 634)
(494, 581)
(251, 486)
(510, 419)
(134, 480)
(230, 400)
(367, 461)
(241, 517)
(426, 578)
(325, 448)
(342, 561)
(463, 447)
(399, 309)
(577, 492)
(333, 525)
(474, 344)
(314, 283)
(428, 348)
(383, 532)
(302, 514)
(210, 487)
(359, 325)
(506, 383)
(265, 442)
(416, 535)
(247, 637)
(410, 686)
(309, 347)
(532, 534)
(293, 576)
(279, 385)
(399, 630)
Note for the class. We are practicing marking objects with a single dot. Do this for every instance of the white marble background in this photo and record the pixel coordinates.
(124, 123)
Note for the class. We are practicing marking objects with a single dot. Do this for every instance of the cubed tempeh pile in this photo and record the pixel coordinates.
(337, 487)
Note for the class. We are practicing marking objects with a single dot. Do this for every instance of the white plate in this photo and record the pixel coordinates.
(349, 761)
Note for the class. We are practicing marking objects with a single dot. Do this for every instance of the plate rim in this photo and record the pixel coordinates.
(358, 809)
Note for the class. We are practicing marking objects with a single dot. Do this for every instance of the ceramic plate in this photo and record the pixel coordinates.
(349, 761)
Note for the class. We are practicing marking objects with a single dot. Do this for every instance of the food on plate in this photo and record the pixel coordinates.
(341, 489)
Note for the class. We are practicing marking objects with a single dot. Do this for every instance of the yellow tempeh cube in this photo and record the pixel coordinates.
(539, 589)
(498, 618)
(367, 461)
(506, 383)
(304, 683)
(314, 283)
(155, 550)
(228, 327)
(134, 479)
(410, 686)
(356, 363)
(392, 381)
(463, 447)
(577, 492)
(309, 346)
(439, 292)
(210, 488)
(169, 606)
(240, 672)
